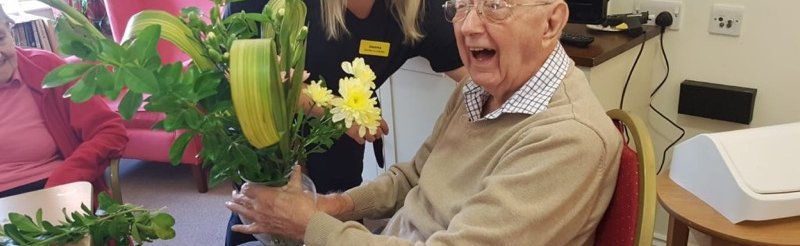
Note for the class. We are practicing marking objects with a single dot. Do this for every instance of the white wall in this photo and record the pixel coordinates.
(766, 57)
(620, 6)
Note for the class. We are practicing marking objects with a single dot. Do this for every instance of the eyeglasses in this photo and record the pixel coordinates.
(494, 10)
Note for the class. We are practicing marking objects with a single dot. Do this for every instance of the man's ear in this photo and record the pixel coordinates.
(556, 20)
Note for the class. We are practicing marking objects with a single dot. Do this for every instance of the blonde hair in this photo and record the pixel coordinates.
(404, 11)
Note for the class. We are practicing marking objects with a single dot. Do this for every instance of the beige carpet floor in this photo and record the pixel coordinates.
(200, 218)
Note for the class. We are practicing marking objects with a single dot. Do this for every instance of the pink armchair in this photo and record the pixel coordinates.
(146, 144)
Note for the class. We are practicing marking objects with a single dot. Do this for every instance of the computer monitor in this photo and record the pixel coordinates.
(587, 11)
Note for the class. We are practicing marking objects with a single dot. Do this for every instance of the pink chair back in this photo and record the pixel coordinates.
(120, 11)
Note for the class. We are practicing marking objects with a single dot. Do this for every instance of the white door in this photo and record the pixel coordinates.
(411, 101)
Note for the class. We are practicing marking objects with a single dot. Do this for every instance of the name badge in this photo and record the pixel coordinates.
(374, 48)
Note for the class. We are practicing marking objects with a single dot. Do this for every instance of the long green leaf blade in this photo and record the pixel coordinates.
(174, 31)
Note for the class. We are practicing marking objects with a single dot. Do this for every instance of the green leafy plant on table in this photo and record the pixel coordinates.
(111, 222)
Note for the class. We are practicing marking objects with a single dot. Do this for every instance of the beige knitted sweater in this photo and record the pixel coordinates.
(542, 179)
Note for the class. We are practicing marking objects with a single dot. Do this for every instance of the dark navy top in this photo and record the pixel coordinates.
(325, 56)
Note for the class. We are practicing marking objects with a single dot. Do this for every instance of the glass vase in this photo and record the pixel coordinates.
(277, 240)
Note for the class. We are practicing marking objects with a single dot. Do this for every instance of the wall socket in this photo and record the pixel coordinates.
(726, 19)
(657, 6)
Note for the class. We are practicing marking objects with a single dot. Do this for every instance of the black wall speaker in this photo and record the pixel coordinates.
(716, 101)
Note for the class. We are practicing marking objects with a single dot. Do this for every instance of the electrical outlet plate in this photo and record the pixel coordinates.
(726, 19)
(657, 6)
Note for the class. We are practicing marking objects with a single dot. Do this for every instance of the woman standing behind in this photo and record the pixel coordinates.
(385, 33)
(47, 140)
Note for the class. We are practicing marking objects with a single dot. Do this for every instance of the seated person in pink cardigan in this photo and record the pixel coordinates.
(523, 153)
(45, 139)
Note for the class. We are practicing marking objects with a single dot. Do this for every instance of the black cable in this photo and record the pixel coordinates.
(628, 80)
(683, 132)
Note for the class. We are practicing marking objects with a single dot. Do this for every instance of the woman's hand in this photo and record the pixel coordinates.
(382, 130)
(279, 210)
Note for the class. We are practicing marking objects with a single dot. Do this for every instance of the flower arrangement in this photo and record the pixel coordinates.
(239, 95)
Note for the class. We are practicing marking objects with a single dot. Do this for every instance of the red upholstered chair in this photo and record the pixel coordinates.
(146, 144)
(630, 217)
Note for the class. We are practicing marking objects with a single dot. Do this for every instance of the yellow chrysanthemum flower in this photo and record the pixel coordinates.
(360, 70)
(356, 106)
(321, 95)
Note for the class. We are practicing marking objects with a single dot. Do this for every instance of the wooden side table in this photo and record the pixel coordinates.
(686, 210)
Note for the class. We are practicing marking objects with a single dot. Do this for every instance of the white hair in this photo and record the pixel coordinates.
(4, 17)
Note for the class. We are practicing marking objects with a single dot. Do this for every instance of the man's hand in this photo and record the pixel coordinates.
(382, 130)
(279, 210)
(338, 205)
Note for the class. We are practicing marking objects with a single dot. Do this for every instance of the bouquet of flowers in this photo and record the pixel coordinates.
(239, 95)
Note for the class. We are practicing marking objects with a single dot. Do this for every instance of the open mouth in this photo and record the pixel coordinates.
(482, 54)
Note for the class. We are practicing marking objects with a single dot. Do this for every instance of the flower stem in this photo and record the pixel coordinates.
(74, 15)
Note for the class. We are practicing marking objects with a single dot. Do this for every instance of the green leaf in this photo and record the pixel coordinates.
(12, 232)
(86, 209)
(118, 84)
(130, 104)
(64, 74)
(111, 52)
(173, 121)
(82, 91)
(139, 80)
(152, 62)
(170, 72)
(207, 84)
(145, 231)
(165, 233)
(178, 147)
(145, 43)
(254, 17)
(193, 119)
(117, 228)
(71, 43)
(103, 79)
(23, 223)
(99, 235)
(214, 14)
(220, 173)
(163, 220)
(158, 125)
(39, 217)
(64, 212)
(190, 11)
(80, 219)
(135, 234)
(104, 201)
(50, 228)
